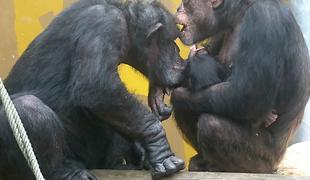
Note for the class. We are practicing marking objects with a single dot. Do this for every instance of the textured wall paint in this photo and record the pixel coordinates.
(67, 3)
(46, 18)
(8, 46)
(27, 23)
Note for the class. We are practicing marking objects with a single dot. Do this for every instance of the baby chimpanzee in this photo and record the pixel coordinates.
(203, 71)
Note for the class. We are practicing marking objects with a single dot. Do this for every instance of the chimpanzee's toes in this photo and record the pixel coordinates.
(169, 166)
(178, 162)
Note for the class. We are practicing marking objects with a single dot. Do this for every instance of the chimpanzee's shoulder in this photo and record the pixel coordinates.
(99, 7)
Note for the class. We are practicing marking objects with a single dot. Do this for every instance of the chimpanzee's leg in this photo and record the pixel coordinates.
(130, 117)
(227, 146)
(187, 122)
(134, 119)
(97, 145)
(46, 134)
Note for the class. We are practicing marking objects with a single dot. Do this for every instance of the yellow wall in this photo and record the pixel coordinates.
(22, 20)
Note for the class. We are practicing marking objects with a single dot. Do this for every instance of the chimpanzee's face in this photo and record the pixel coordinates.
(153, 36)
(198, 19)
(165, 66)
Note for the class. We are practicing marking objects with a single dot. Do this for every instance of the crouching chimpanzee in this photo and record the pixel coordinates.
(262, 45)
(72, 102)
(201, 72)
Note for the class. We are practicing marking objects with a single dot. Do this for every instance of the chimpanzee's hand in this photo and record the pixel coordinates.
(156, 102)
(194, 50)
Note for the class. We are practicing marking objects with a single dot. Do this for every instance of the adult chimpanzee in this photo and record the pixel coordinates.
(261, 43)
(68, 93)
(202, 71)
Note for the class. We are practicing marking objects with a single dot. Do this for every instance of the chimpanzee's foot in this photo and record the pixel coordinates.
(196, 164)
(72, 170)
(167, 167)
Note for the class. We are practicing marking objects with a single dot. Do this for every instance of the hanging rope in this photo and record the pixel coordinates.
(19, 132)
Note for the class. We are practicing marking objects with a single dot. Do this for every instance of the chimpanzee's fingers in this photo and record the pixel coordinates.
(164, 111)
(154, 109)
(193, 51)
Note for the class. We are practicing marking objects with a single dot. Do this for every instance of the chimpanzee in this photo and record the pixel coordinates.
(202, 70)
(261, 43)
(77, 112)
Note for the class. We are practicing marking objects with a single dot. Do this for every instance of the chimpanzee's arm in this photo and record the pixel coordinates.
(247, 91)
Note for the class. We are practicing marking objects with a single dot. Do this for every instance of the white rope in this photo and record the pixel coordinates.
(19, 132)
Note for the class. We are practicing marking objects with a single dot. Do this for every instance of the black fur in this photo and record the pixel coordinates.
(263, 46)
(76, 110)
(203, 71)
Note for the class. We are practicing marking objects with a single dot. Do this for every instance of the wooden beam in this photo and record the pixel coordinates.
(184, 175)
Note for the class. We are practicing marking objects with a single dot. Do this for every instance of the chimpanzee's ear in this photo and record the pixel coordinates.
(216, 3)
(153, 30)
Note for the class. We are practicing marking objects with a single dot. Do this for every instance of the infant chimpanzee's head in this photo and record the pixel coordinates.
(202, 71)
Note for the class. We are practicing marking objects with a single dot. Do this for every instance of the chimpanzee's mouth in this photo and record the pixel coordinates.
(183, 27)
(182, 20)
